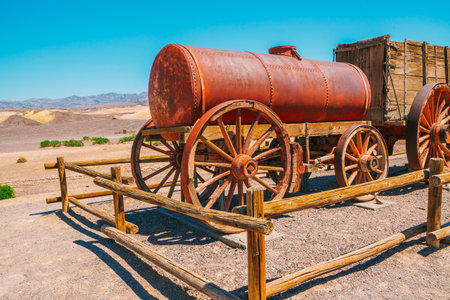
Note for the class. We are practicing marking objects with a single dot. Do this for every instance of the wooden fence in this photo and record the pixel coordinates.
(252, 219)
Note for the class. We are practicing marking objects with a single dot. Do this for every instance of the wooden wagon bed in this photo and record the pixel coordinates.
(396, 72)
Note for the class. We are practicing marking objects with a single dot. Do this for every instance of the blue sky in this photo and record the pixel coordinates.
(53, 49)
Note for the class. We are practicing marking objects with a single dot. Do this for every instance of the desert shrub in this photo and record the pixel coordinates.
(99, 140)
(86, 138)
(6, 192)
(22, 159)
(48, 143)
(127, 138)
(74, 143)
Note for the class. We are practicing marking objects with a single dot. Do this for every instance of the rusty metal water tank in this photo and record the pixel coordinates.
(187, 81)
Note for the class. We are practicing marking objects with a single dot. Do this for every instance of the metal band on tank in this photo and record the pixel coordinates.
(268, 75)
(365, 85)
(195, 79)
(325, 81)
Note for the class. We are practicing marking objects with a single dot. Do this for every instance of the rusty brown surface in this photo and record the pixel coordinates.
(186, 81)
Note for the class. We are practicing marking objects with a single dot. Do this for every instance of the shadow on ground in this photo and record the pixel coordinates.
(161, 283)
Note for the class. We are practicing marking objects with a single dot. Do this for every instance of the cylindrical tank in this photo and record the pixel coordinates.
(187, 81)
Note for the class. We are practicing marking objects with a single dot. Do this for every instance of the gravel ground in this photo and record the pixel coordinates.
(45, 253)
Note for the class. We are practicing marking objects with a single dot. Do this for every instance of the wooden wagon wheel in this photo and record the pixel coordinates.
(239, 159)
(427, 126)
(361, 155)
(156, 165)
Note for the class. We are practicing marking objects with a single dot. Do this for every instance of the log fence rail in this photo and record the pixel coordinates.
(252, 219)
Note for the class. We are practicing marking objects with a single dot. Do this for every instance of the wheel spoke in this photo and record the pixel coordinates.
(238, 131)
(174, 183)
(265, 184)
(268, 158)
(157, 172)
(424, 145)
(424, 122)
(165, 143)
(431, 107)
(258, 143)
(177, 147)
(352, 177)
(200, 177)
(424, 156)
(445, 149)
(444, 121)
(371, 149)
(423, 129)
(423, 138)
(354, 148)
(156, 149)
(369, 177)
(164, 180)
(230, 195)
(226, 137)
(217, 193)
(240, 193)
(247, 183)
(439, 152)
(366, 143)
(216, 149)
(212, 180)
(347, 155)
(156, 160)
(265, 153)
(440, 107)
(251, 131)
(359, 142)
(427, 113)
(201, 164)
(351, 167)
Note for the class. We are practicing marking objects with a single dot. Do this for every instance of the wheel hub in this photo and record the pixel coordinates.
(244, 167)
(368, 163)
(440, 134)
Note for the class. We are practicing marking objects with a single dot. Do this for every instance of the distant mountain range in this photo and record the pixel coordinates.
(74, 101)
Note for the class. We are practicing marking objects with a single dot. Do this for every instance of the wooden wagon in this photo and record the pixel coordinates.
(397, 71)
(221, 118)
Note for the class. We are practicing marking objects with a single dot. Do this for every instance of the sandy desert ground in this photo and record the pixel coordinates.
(47, 254)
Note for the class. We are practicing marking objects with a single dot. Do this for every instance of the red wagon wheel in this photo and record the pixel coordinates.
(361, 155)
(427, 126)
(232, 150)
(156, 165)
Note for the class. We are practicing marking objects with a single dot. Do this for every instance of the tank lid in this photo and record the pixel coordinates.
(285, 50)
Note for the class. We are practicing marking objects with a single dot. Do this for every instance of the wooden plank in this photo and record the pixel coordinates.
(175, 129)
(92, 173)
(225, 218)
(424, 62)
(446, 63)
(63, 183)
(439, 234)
(256, 252)
(293, 129)
(130, 227)
(286, 282)
(434, 201)
(198, 282)
(119, 211)
(287, 205)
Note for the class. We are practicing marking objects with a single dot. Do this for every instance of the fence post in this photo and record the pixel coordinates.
(63, 183)
(119, 212)
(256, 248)
(434, 201)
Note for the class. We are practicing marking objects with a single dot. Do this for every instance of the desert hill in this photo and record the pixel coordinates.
(75, 101)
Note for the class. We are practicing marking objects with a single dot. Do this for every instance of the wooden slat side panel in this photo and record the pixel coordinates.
(369, 57)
